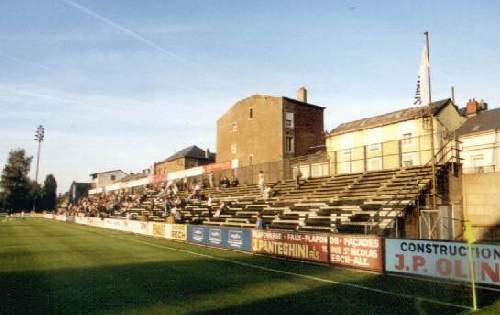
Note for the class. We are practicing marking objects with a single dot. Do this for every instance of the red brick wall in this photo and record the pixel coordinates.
(308, 128)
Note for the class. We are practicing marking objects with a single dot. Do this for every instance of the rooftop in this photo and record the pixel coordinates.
(106, 172)
(485, 120)
(191, 152)
(301, 103)
(390, 118)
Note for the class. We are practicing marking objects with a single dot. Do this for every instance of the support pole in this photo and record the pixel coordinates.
(38, 160)
(431, 115)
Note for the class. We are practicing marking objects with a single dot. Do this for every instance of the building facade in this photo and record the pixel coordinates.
(398, 139)
(186, 158)
(480, 141)
(480, 150)
(261, 129)
(78, 191)
(103, 179)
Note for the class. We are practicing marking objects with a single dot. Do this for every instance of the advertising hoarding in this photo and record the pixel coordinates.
(231, 238)
(302, 246)
(158, 229)
(356, 251)
(446, 260)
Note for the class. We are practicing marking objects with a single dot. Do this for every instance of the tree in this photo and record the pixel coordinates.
(36, 195)
(15, 183)
(49, 193)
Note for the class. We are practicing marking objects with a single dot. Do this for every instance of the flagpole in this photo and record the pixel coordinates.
(434, 181)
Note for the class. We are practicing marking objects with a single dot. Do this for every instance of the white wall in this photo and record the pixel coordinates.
(481, 150)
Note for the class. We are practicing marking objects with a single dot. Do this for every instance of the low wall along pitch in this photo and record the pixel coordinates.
(176, 231)
(446, 260)
(301, 246)
(438, 259)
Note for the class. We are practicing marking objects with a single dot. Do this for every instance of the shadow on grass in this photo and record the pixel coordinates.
(120, 288)
(205, 287)
(341, 299)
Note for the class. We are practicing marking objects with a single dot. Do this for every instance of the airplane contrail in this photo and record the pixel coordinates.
(123, 29)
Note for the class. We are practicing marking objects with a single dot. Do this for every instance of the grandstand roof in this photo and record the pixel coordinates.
(485, 120)
(191, 152)
(390, 118)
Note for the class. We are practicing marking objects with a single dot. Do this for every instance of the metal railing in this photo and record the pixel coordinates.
(451, 146)
(494, 168)
(386, 155)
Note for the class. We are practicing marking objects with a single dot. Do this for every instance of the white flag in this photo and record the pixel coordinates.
(422, 93)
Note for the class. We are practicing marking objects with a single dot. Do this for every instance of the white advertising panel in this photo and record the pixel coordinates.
(446, 260)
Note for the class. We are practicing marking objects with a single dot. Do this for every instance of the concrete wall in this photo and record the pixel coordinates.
(260, 136)
(481, 202)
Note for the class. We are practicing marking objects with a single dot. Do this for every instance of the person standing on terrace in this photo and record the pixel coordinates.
(261, 181)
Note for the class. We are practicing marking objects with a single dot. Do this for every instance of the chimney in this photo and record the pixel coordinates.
(473, 107)
(302, 94)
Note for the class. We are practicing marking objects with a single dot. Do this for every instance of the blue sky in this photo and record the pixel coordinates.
(120, 84)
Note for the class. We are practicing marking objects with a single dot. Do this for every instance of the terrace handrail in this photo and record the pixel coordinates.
(418, 181)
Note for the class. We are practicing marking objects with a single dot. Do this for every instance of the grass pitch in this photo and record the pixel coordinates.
(58, 268)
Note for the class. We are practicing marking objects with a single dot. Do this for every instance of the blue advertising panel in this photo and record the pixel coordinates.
(215, 237)
(196, 234)
(240, 239)
(230, 238)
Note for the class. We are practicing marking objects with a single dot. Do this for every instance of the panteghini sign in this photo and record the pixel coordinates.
(446, 260)
(300, 246)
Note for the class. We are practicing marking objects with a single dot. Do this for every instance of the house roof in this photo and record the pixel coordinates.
(485, 120)
(190, 152)
(301, 103)
(390, 118)
(92, 174)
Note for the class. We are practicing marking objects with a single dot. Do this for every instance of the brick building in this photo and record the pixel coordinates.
(262, 128)
(189, 157)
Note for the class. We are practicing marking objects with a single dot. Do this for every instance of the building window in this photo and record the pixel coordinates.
(408, 159)
(250, 159)
(233, 148)
(112, 177)
(250, 113)
(289, 123)
(289, 145)
(407, 139)
(374, 164)
(234, 127)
